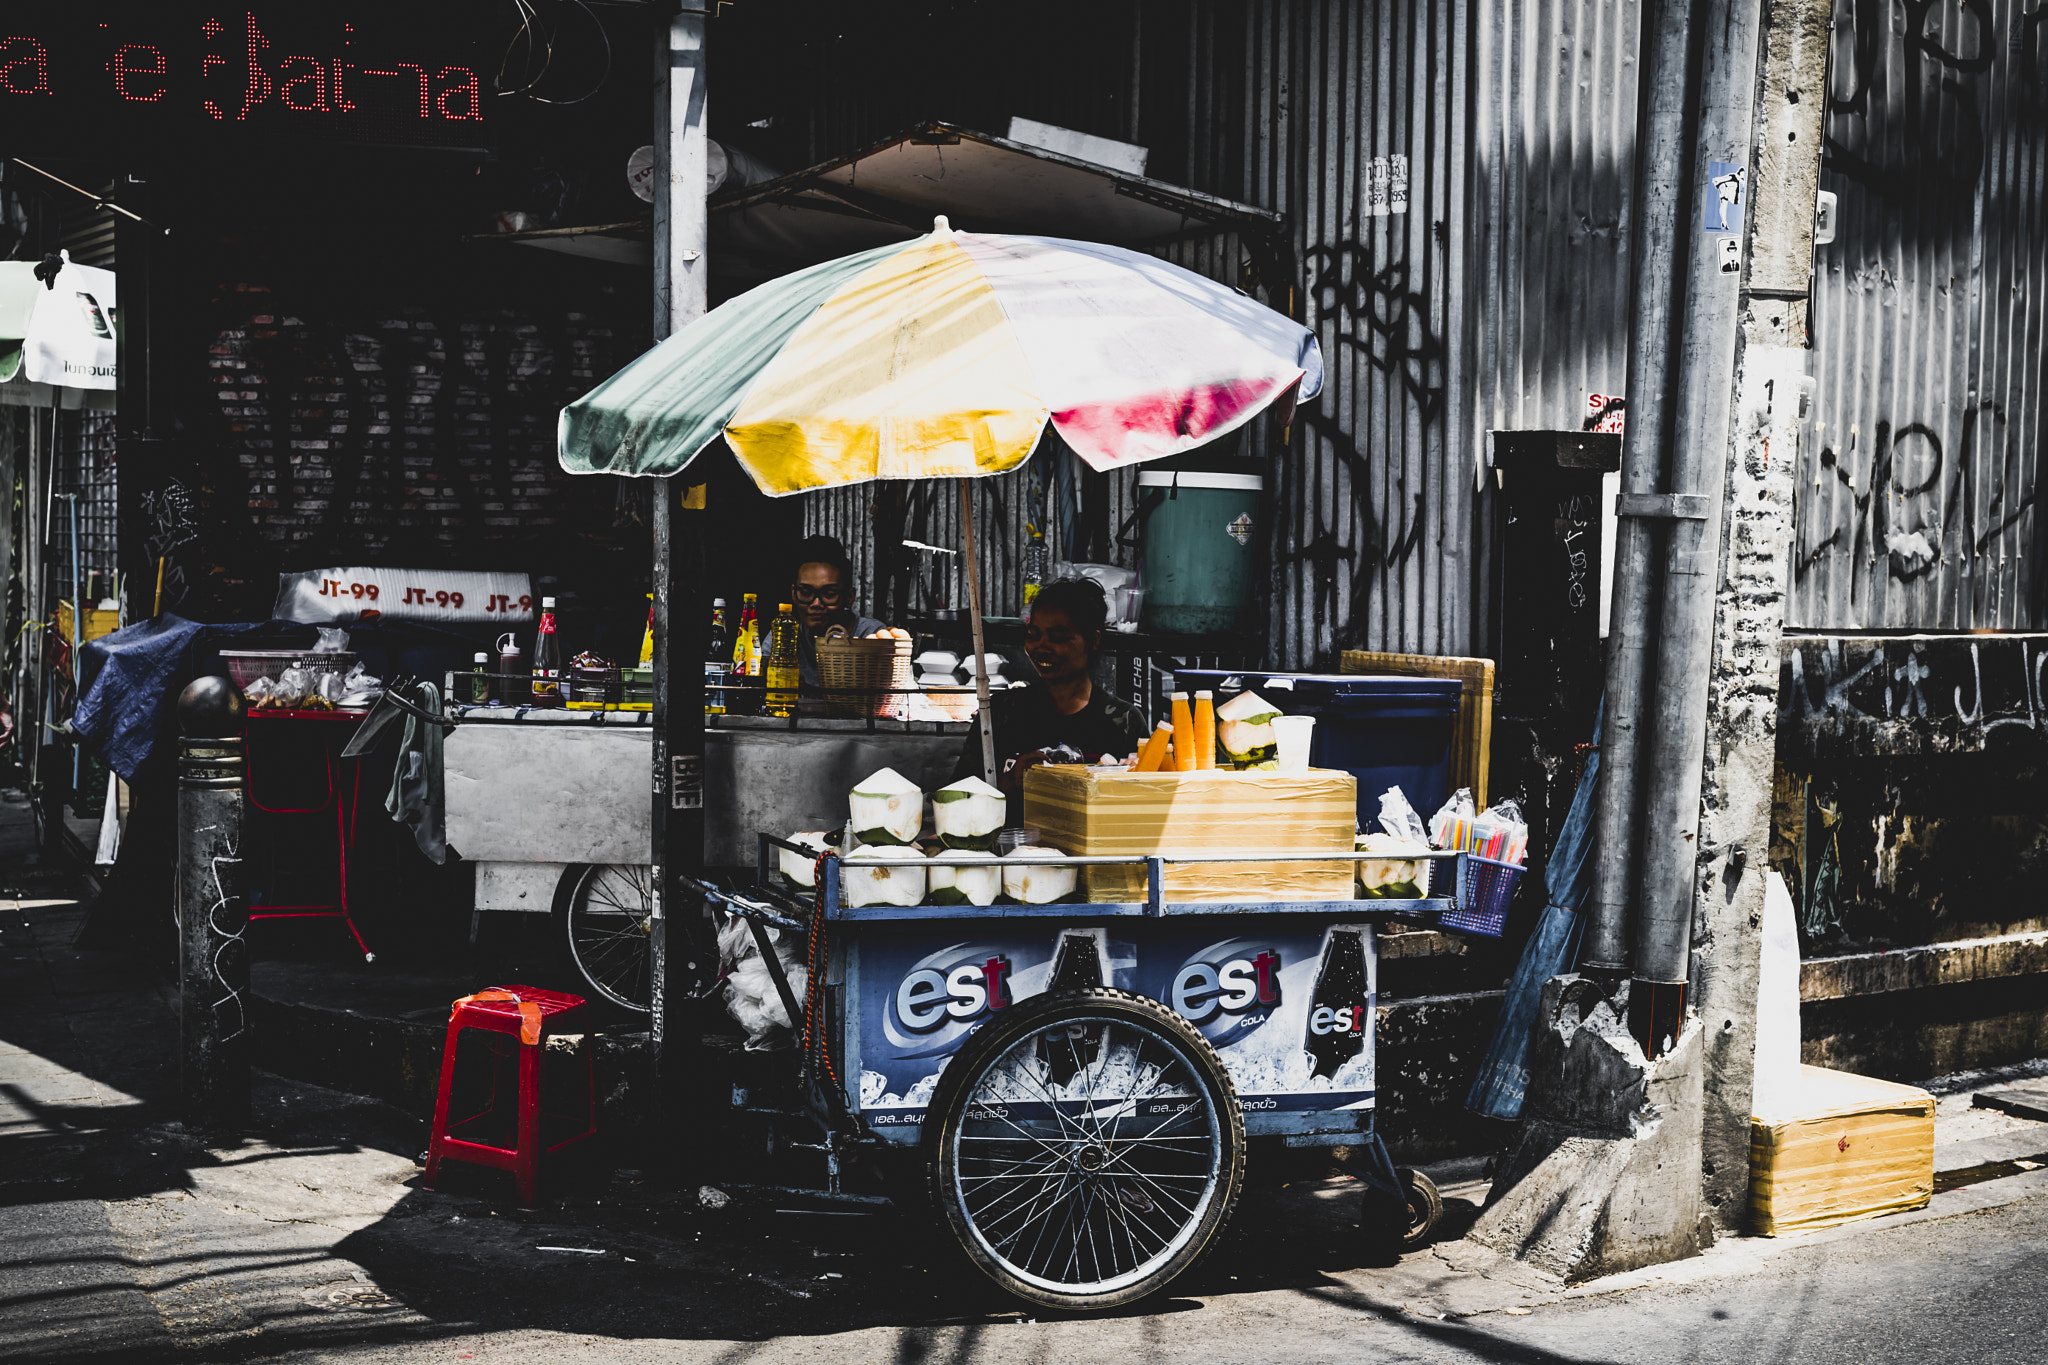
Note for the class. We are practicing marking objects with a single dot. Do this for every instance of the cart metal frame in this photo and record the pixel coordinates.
(853, 992)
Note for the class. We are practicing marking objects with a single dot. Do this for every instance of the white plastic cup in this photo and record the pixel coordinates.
(1292, 736)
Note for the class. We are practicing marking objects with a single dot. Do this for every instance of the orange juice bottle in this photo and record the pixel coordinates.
(1183, 735)
(1154, 753)
(1205, 730)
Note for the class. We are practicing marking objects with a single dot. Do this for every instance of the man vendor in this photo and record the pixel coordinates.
(1062, 636)
(821, 590)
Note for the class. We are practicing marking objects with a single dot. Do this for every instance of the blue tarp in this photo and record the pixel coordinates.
(1503, 1077)
(133, 680)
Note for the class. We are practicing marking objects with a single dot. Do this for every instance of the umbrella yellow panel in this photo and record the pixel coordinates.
(910, 370)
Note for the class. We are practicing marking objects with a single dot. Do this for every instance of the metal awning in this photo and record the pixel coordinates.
(889, 192)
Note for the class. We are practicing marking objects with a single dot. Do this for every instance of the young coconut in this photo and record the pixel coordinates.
(868, 882)
(967, 885)
(800, 869)
(1244, 730)
(968, 814)
(1036, 885)
(887, 808)
(1395, 878)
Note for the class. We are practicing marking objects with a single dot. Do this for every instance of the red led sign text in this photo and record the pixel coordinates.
(283, 67)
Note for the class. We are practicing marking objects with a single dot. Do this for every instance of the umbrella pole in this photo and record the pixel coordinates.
(981, 715)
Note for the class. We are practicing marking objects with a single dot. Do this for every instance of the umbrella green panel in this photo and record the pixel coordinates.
(659, 413)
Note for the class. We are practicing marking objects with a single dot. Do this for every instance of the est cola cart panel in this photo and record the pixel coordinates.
(1287, 1001)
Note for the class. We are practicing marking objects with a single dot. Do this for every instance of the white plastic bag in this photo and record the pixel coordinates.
(1399, 819)
(1451, 826)
(750, 994)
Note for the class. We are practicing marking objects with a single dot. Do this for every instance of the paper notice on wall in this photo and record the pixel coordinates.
(329, 596)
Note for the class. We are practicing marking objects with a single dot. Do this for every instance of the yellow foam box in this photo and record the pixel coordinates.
(1110, 812)
(1856, 1148)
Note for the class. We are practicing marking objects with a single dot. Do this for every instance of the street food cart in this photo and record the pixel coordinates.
(1073, 1082)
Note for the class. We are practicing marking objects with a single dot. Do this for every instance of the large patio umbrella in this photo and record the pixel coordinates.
(946, 357)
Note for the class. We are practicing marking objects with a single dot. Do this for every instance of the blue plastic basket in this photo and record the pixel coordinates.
(1485, 887)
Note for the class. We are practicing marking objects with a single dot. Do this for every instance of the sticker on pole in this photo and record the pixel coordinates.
(686, 782)
(1725, 181)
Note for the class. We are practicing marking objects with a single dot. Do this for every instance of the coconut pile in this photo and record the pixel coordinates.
(889, 861)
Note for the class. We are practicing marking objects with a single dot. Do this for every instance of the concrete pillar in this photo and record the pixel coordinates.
(1773, 415)
(213, 957)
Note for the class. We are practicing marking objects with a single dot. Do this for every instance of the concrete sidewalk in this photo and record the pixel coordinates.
(125, 1236)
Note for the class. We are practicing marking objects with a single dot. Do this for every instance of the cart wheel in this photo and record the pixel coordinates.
(1406, 1226)
(606, 911)
(1086, 1147)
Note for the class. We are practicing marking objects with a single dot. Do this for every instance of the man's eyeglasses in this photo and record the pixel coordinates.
(831, 592)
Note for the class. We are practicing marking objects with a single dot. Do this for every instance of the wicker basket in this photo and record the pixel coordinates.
(864, 677)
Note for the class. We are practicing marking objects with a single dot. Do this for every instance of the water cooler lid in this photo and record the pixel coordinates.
(1193, 478)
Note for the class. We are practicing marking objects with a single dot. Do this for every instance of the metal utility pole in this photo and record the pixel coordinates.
(1692, 190)
(681, 233)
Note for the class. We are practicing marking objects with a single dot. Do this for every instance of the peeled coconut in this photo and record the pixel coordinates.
(869, 882)
(968, 814)
(967, 885)
(796, 866)
(1398, 878)
(1036, 885)
(1244, 729)
(887, 808)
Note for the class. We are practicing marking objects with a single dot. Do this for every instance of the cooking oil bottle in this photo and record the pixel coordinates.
(781, 666)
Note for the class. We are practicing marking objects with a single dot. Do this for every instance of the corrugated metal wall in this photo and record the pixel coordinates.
(1552, 160)
(1378, 535)
(1920, 510)
(1318, 109)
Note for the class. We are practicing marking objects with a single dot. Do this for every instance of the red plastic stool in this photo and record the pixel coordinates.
(517, 1022)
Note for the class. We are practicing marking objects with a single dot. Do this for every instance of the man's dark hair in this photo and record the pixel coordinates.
(823, 550)
(1081, 599)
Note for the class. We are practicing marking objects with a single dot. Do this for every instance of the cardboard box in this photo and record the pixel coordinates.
(1112, 812)
(1857, 1148)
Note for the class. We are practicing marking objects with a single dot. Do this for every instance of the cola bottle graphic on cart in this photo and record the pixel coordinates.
(1338, 1011)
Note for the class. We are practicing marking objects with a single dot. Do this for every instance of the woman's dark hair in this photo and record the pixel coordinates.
(823, 550)
(1082, 600)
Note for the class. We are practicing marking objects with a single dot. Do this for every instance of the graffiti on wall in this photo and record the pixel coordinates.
(1918, 513)
(172, 517)
(1937, 127)
(1379, 317)
(1878, 696)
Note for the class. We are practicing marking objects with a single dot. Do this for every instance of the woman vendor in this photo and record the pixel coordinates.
(1062, 636)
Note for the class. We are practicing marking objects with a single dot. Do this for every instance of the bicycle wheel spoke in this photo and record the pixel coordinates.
(1064, 1198)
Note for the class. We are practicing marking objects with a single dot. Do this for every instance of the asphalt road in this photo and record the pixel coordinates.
(1963, 1289)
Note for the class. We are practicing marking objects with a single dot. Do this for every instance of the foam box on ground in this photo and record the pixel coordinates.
(1853, 1148)
(1109, 812)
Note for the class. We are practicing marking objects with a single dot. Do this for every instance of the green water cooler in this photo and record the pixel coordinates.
(1197, 549)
